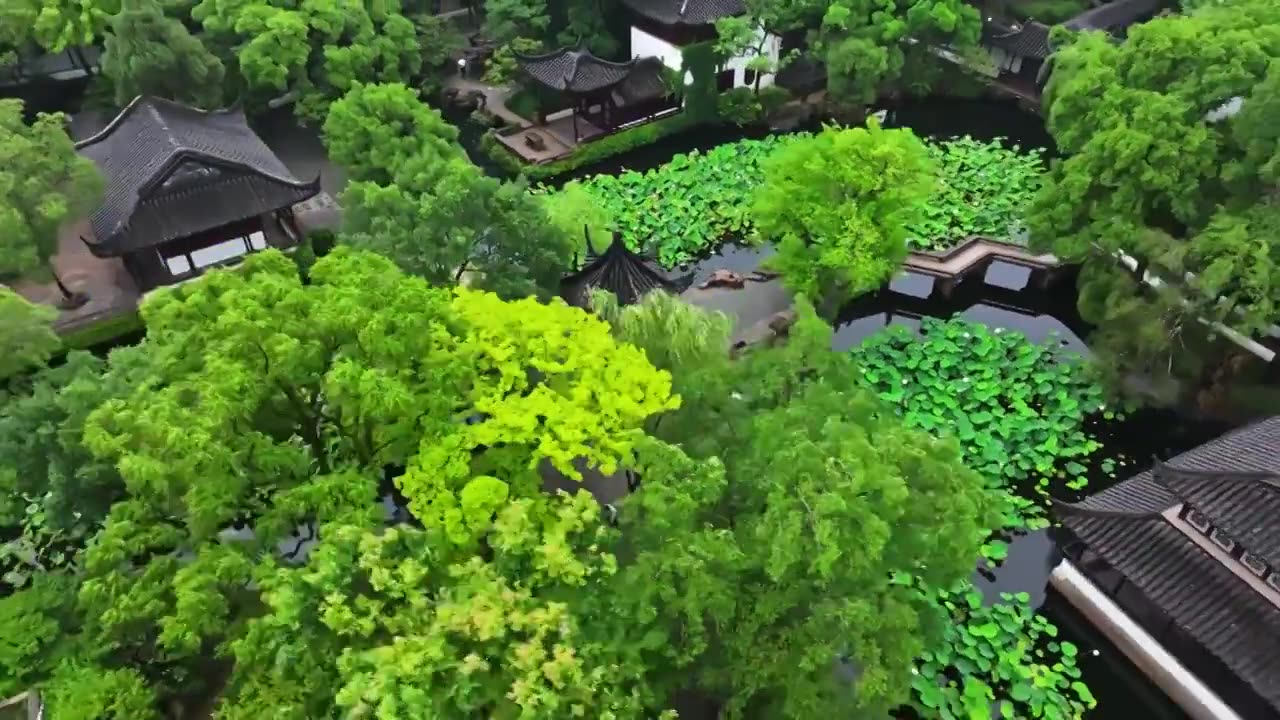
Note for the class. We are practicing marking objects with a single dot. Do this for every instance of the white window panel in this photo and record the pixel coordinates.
(221, 252)
(258, 240)
(1274, 579)
(178, 265)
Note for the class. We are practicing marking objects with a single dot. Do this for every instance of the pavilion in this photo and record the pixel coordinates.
(622, 272)
(588, 81)
(187, 190)
(1191, 552)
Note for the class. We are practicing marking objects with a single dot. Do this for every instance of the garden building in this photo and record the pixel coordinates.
(600, 95)
(1020, 50)
(622, 272)
(664, 28)
(187, 190)
(1191, 552)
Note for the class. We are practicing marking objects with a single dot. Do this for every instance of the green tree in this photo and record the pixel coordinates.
(26, 333)
(403, 623)
(746, 560)
(62, 24)
(416, 198)
(838, 204)
(43, 181)
(313, 52)
(375, 129)
(874, 47)
(148, 53)
(507, 20)
(278, 404)
(1169, 160)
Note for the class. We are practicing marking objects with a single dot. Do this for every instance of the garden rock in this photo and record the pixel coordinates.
(724, 278)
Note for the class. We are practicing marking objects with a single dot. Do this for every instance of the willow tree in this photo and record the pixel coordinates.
(1169, 173)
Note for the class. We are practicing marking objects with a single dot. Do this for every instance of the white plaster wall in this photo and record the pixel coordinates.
(645, 45)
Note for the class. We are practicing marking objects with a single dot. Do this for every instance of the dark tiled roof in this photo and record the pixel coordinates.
(1245, 505)
(686, 12)
(621, 272)
(1251, 449)
(230, 175)
(574, 70)
(643, 84)
(1114, 16)
(1203, 597)
(1029, 41)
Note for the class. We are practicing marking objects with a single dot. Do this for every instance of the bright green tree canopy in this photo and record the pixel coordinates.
(42, 183)
(838, 204)
(1169, 140)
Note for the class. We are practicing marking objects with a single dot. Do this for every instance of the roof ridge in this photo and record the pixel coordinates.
(1080, 510)
(152, 103)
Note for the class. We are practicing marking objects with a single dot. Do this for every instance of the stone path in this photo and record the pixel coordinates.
(495, 98)
(110, 289)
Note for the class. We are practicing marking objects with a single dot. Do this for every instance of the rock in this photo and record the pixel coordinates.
(780, 323)
(723, 278)
(535, 141)
(763, 276)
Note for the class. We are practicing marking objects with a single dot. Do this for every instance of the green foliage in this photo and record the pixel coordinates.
(755, 581)
(258, 398)
(43, 181)
(26, 333)
(594, 151)
(314, 50)
(150, 54)
(507, 20)
(501, 68)
(576, 212)
(699, 63)
(838, 205)
(1156, 169)
(1001, 656)
(415, 197)
(983, 189)
(869, 48)
(375, 129)
(59, 24)
(675, 336)
(1017, 408)
(739, 106)
(691, 204)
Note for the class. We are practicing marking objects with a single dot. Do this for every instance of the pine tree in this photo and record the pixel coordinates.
(148, 53)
